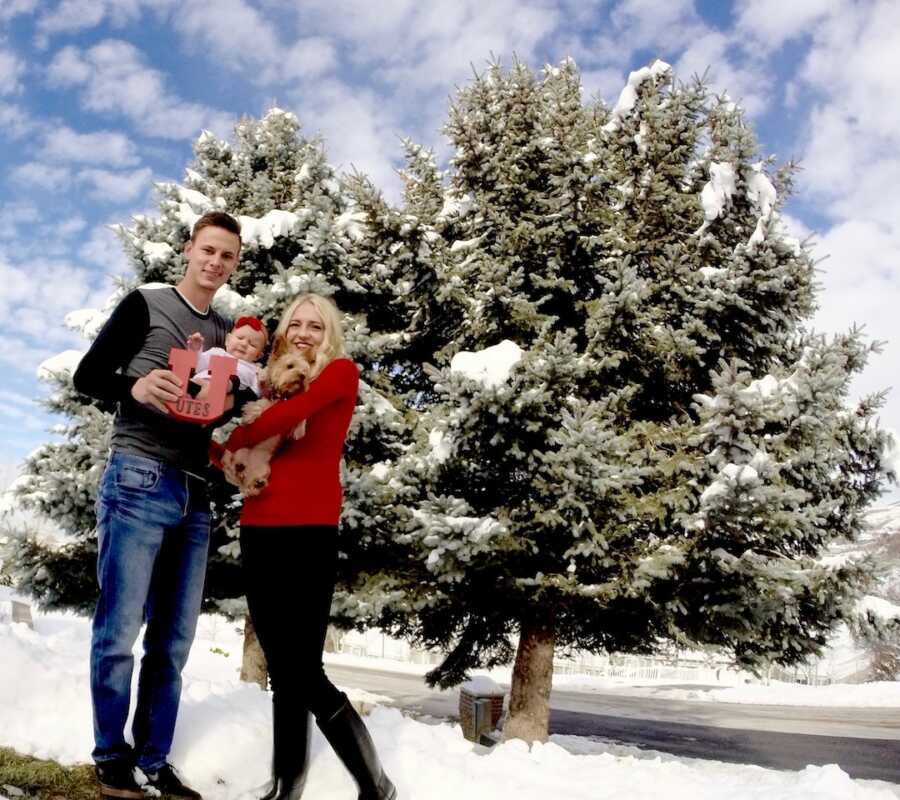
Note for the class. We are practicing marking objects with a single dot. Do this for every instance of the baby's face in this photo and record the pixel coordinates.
(245, 343)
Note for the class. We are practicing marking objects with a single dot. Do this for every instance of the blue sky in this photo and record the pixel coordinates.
(101, 98)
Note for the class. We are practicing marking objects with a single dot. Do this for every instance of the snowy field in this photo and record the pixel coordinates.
(222, 742)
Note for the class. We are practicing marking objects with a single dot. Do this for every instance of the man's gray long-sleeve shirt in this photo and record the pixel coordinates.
(135, 340)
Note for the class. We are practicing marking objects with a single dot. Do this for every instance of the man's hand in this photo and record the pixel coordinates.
(156, 388)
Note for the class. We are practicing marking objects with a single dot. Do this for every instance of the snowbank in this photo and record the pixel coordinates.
(222, 741)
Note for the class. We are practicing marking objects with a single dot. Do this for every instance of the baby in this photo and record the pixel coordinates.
(246, 342)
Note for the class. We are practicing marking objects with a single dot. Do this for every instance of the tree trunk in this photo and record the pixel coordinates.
(333, 639)
(253, 666)
(532, 678)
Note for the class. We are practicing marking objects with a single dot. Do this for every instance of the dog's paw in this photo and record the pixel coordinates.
(254, 482)
(234, 465)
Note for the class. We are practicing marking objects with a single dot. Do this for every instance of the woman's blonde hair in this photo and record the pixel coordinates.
(332, 346)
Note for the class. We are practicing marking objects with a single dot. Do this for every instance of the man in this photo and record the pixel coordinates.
(152, 512)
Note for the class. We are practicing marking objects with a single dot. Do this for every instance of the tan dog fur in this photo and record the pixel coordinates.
(248, 468)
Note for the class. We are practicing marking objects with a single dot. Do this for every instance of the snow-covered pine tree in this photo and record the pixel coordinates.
(298, 232)
(629, 438)
(879, 636)
(877, 627)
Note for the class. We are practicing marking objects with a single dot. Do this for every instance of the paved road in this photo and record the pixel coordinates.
(864, 742)
(875, 759)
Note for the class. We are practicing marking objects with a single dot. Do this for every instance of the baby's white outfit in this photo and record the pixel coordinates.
(247, 371)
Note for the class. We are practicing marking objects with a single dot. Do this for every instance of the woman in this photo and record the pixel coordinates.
(289, 552)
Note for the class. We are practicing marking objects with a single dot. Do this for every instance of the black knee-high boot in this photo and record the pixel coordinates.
(347, 735)
(290, 752)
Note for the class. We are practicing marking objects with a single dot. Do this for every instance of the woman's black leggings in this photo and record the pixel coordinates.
(290, 574)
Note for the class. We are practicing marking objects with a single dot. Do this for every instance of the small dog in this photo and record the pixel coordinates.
(248, 468)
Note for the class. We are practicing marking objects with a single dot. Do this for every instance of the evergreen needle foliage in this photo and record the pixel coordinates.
(673, 449)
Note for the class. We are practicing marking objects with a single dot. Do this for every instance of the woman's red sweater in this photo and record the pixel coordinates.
(305, 486)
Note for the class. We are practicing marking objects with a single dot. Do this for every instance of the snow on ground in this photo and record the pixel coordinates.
(881, 694)
(222, 742)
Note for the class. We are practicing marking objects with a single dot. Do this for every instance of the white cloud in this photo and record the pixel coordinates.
(12, 8)
(421, 46)
(35, 296)
(12, 398)
(859, 277)
(103, 248)
(23, 355)
(772, 22)
(711, 53)
(358, 131)
(658, 27)
(265, 54)
(408, 50)
(69, 227)
(68, 68)
(308, 58)
(605, 83)
(674, 31)
(851, 152)
(860, 286)
(28, 418)
(853, 172)
(447, 39)
(116, 187)
(258, 44)
(47, 287)
(796, 228)
(72, 15)
(115, 79)
(12, 68)
(26, 231)
(855, 59)
(104, 147)
(15, 122)
(37, 175)
(9, 471)
(14, 217)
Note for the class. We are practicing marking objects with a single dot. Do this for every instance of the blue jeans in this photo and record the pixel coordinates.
(153, 539)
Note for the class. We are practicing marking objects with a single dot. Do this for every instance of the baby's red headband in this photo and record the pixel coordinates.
(253, 322)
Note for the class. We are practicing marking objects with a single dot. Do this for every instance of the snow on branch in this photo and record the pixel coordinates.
(455, 206)
(489, 367)
(157, 251)
(353, 224)
(730, 476)
(762, 194)
(232, 304)
(262, 231)
(629, 94)
(717, 192)
(60, 364)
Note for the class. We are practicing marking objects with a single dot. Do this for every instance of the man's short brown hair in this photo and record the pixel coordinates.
(216, 219)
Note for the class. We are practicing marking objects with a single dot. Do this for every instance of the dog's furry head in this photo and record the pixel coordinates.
(286, 374)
